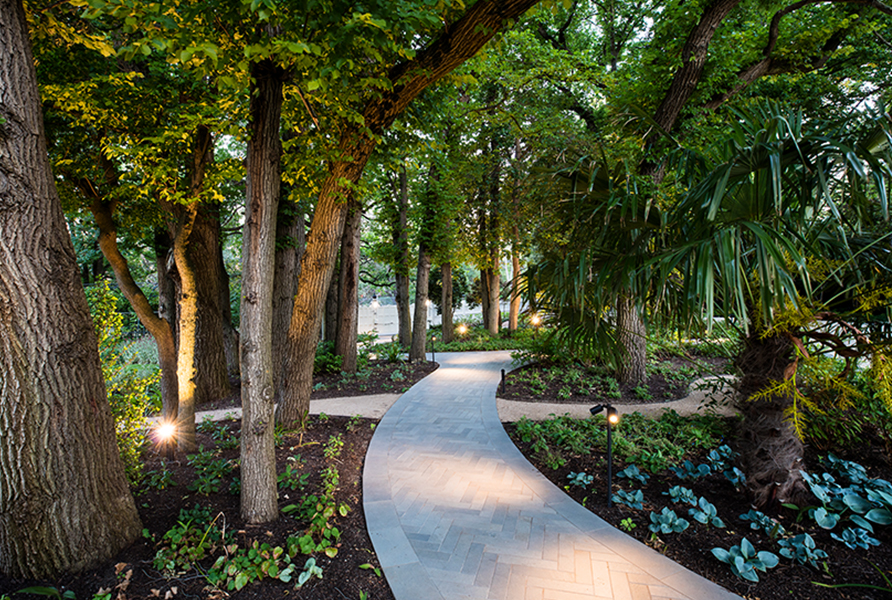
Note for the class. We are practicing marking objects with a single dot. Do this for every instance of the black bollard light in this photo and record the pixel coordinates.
(433, 349)
(503, 382)
(612, 419)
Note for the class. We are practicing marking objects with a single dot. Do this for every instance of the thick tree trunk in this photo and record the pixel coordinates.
(64, 501)
(204, 251)
(187, 372)
(167, 290)
(419, 324)
(289, 247)
(446, 302)
(771, 451)
(401, 241)
(158, 328)
(348, 293)
(230, 333)
(458, 42)
(514, 314)
(632, 339)
(492, 290)
(258, 458)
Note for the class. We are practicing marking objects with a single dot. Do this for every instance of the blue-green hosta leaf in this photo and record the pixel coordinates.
(826, 520)
(857, 503)
(880, 516)
(861, 522)
(769, 560)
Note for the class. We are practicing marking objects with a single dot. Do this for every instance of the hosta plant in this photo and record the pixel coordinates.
(855, 537)
(705, 513)
(801, 548)
(667, 522)
(745, 561)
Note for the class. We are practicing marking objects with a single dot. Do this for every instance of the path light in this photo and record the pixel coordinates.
(433, 350)
(462, 329)
(535, 321)
(612, 419)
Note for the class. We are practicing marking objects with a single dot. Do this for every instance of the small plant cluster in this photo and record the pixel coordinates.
(219, 432)
(210, 469)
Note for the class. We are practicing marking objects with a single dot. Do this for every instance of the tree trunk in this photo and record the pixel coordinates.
(446, 302)
(401, 241)
(230, 333)
(65, 504)
(158, 328)
(458, 42)
(289, 246)
(771, 451)
(167, 294)
(258, 452)
(515, 278)
(632, 340)
(348, 293)
(493, 315)
(204, 250)
(330, 326)
(419, 324)
(187, 372)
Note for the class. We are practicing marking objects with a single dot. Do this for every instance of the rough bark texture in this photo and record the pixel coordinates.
(419, 323)
(401, 241)
(204, 251)
(330, 325)
(514, 314)
(158, 328)
(772, 454)
(491, 287)
(258, 461)
(230, 333)
(64, 501)
(348, 290)
(167, 293)
(446, 302)
(187, 372)
(458, 42)
(289, 246)
(632, 340)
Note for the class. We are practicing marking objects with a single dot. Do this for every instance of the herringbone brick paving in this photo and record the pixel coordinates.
(455, 511)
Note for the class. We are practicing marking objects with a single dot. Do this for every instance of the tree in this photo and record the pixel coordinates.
(64, 500)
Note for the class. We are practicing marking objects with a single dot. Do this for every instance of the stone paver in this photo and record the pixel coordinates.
(456, 512)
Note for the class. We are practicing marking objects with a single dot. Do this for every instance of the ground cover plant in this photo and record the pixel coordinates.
(678, 488)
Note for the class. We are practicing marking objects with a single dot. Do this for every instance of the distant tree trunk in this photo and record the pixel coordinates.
(348, 293)
(515, 277)
(258, 459)
(230, 333)
(289, 246)
(330, 326)
(65, 505)
(771, 451)
(158, 328)
(419, 325)
(211, 371)
(187, 371)
(492, 292)
(460, 40)
(632, 368)
(167, 293)
(401, 241)
(446, 302)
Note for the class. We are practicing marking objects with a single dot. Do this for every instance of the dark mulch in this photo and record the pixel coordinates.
(692, 548)
(661, 385)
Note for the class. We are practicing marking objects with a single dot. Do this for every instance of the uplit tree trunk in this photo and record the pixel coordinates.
(330, 326)
(446, 302)
(187, 372)
(289, 247)
(514, 313)
(65, 504)
(419, 324)
(401, 240)
(158, 328)
(457, 43)
(632, 340)
(771, 451)
(258, 458)
(492, 291)
(348, 290)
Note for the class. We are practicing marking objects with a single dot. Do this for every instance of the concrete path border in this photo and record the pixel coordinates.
(455, 511)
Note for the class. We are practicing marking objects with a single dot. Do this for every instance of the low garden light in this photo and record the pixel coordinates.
(433, 350)
(612, 419)
(535, 320)
(165, 437)
(462, 329)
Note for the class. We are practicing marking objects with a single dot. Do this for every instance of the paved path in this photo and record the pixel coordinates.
(456, 512)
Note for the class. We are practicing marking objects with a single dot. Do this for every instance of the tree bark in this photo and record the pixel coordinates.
(632, 334)
(65, 504)
(330, 326)
(187, 371)
(514, 315)
(158, 328)
(258, 458)
(446, 302)
(771, 451)
(289, 247)
(458, 42)
(167, 294)
(401, 241)
(493, 288)
(348, 292)
(419, 324)
(230, 333)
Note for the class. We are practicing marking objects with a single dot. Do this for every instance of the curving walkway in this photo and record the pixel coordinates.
(456, 512)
